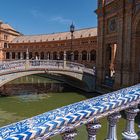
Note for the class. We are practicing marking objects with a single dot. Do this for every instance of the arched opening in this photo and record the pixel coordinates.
(7, 55)
(68, 54)
(54, 55)
(30, 55)
(110, 60)
(42, 55)
(24, 55)
(18, 55)
(84, 55)
(61, 54)
(13, 55)
(36, 55)
(76, 54)
(93, 55)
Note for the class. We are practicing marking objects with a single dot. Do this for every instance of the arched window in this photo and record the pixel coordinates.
(5, 45)
(7, 55)
(24, 55)
(13, 55)
(61, 55)
(36, 55)
(76, 55)
(93, 55)
(18, 55)
(54, 55)
(30, 55)
(84, 55)
(68, 55)
(42, 55)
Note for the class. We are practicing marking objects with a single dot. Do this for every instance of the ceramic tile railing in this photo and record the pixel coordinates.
(64, 121)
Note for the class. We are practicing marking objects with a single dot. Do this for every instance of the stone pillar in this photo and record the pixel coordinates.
(16, 55)
(80, 56)
(10, 55)
(27, 54)
(92, 129)
(69, 135)
(21, 55)
(48, 56)
(65, 56)
(112, 119)
(129, 133)
(89, 57)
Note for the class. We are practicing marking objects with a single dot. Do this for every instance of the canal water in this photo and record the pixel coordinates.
(32, 95)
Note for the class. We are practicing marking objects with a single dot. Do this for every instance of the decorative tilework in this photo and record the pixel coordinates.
(56, 121)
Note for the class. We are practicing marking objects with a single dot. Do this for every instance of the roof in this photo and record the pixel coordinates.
(6, 26)
(82, 33)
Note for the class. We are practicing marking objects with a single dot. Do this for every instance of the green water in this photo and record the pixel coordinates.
(34, 95)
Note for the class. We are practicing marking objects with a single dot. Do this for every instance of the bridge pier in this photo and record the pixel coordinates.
(92, 129)
(129, 133)
(113, 119)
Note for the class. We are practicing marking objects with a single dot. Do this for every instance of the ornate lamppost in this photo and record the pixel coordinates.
(72, 27)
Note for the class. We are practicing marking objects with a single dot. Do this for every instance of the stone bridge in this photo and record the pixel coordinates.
(72, 71)
(64, 121)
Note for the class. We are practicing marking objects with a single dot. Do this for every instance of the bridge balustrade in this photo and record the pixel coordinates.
(65, 120)
(20, 65)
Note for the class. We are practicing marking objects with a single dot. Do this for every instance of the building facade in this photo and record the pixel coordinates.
(118, 51)
(7, 34)
(81, 46)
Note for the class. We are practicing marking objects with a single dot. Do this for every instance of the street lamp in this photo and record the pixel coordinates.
(72, 31)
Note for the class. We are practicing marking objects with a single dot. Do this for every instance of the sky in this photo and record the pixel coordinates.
(48, 16)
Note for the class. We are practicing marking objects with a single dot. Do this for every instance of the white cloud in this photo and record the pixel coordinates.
(61, 20)
(38, 14)
(58, 19)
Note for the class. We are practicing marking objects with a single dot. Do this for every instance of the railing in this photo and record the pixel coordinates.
(65, 120)
(21, 65)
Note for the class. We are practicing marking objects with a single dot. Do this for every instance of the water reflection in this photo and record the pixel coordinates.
(35, 85)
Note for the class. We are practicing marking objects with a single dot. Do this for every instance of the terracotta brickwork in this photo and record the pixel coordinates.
(119, 25)
(82, 46)
(7, 34)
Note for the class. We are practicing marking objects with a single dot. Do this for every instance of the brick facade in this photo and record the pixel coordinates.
(119, 25)
(52, 46)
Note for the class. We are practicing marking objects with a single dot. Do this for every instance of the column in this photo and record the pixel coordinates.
(112, 120)
(69, 135)
(21, 55)
(92, 129)
(48, 56)
(129, 133)
(27, 54)
(65, 56)
(16, 55)
(89, 57)
(10, 55)
(80, 56)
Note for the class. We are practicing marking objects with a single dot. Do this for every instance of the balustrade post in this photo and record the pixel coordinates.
(92, 129)
(112, 120)
(129, 133)
(65, 55)
(69, 134)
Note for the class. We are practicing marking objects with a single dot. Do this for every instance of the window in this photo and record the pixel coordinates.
(5, 45)
(7, 55)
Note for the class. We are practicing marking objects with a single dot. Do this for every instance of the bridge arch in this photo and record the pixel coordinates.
(16, 69)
